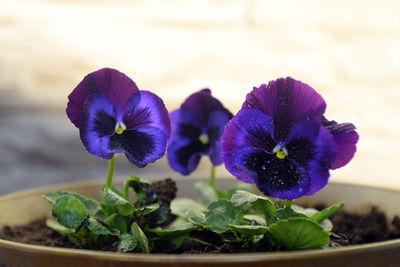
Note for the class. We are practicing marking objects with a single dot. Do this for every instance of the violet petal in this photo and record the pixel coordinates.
(312, 147)
(216, 125)
(141, 146)
(97, 126)
(184, 155)
(147, 109)
(202, 104)
(345, 137)
(114, 85)
(250, 128)
(288, 101)
(283, 179)
(184, 125)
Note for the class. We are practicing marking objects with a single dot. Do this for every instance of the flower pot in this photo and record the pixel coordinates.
(20, 208)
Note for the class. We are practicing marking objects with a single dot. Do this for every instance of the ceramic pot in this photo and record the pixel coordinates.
(20, 208)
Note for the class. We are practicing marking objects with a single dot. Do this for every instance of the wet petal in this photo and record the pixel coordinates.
(147, 109)
(288, 101)
(202, 104)
(97, 126)
(346, 138)
(281, 178)
(114, 85)
(184, 155)
(141, 146)
(313, 148)
(250, 128)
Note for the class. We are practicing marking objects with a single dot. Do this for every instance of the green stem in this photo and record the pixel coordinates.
(126, 186)
(126, 190)
(288, 203)
(110, 172)
(212, 176)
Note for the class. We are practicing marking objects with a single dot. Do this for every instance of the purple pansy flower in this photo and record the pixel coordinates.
(113, 116)
(281, 141)
(197, 127)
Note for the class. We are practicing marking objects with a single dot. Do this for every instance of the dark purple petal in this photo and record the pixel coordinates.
(184, 147)
(202, 104)
(97, 126)
(281, 178)
(216, 125)
(215, 153)
(184, 155)
(301, 147)
(141, 146)
(312, 147)
(114, 85)
(184, 125)
(147, 109)
(345, 137)
(288, 101)
(250, 128)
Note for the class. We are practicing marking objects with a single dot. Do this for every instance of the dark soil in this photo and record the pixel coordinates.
(367, 228)
(165, 190)
(35, 233)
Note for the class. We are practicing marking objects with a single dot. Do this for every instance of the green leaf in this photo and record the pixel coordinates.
(237, 187)
(179, 223)
(142, 242)
(159, 215)
(147, 210)
(114, 200)
(92, 234)
(207, 193)
(139, 185)
(98, 228)
(249, 229)
(117, 221)
(91, 205)
(326, 213)
(179, 206)
(298, 233)
(117, 191)
(196, 217)
(255, 218)
(127, 242)
(179, 229)
(262, 204)
(69, 211)
(278, 203)
(221, 213)
(56, 226)
(283, 214)
(173, 236)
(326, 224)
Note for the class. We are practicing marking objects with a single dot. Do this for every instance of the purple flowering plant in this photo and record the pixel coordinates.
(279, 140)
(197, 127)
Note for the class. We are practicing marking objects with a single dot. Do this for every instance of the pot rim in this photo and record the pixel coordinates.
(200, 258)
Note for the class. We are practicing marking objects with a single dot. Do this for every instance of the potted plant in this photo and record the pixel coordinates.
(280, 141)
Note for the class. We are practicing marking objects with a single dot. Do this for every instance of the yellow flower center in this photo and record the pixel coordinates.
(120, 128)
(203, 139)
(281, 152)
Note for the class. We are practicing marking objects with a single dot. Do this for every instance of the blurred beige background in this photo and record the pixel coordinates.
(348, 50)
